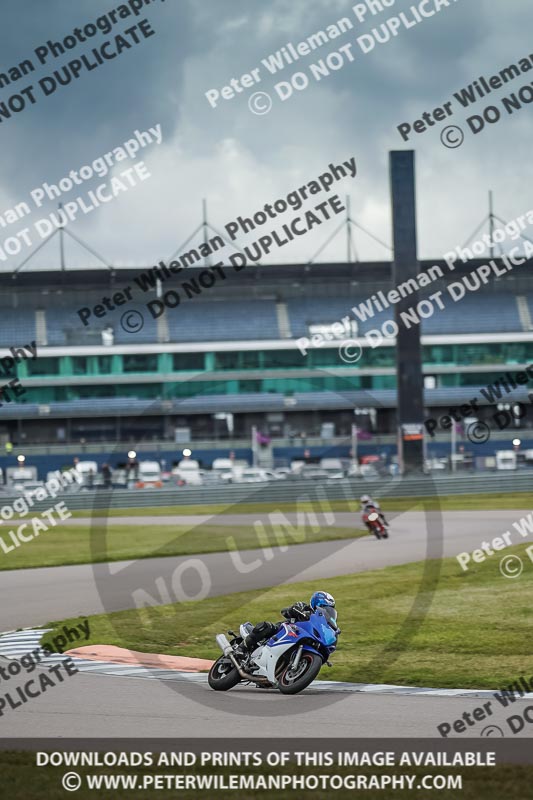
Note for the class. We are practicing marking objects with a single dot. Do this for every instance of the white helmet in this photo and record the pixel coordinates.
(366, 498)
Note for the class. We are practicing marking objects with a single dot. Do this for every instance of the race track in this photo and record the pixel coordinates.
(38, 596)
(96, 706)
(118, 706)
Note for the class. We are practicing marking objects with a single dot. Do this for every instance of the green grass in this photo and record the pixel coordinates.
(69, 544)
(424, 624)
(20, 779)
(463, 502)
(75, 545)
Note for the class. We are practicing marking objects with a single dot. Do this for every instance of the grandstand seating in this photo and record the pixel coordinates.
(477, 313)
(138, 389)
(147, 335)
(59, 322)
(230, 320)
(529, 303)
(305, 311)
(237, 320)
(240, 403)
(17, 326)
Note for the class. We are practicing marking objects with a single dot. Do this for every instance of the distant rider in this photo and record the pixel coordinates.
(299, 612)
(367, 504)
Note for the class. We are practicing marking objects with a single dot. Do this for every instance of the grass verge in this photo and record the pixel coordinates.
(463, 502)
(476, 633)
(74, 544)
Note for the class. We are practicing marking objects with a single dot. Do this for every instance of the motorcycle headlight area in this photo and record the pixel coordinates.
(328, 625)
(328, 634)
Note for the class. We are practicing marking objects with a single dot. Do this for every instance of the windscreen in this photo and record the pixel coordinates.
(330, 614)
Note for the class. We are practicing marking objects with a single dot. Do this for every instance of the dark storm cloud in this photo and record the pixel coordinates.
(361, 106)
(94, 113)
(239, 161)
(422, 65)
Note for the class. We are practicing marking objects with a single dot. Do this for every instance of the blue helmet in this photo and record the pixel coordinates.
(322, 599)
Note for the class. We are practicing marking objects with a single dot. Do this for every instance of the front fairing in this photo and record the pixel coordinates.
(322, 630)
(315, 635)
(316, 628)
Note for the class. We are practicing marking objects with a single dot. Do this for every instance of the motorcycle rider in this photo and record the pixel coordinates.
(367, 503)
(298, 612)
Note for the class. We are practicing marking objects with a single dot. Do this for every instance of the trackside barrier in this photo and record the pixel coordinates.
(292, 491)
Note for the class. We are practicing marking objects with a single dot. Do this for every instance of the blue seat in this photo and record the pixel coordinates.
(228, 320)
(17, 326)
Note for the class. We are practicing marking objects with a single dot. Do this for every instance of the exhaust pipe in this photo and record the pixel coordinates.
(227, 649)
(246, 675)
(223, 643)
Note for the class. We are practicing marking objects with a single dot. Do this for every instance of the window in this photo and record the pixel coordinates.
(246, 359)
(43, 366)
(250, 387)
(282, 359)
(104, 365)
(184, 362)
(438, 354)
(322, 358)
(140, 363)
(79, 365)
(195, 389)
(89, 392)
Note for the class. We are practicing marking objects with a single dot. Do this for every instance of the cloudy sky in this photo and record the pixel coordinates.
(239, 161)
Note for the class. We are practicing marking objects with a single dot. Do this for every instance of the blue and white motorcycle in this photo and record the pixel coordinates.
(289, 661)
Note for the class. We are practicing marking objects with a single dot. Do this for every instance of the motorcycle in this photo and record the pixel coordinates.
(289, 660)
(373, 518)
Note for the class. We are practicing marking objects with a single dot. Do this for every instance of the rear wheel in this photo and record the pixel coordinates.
(223, 675)
(292, 680)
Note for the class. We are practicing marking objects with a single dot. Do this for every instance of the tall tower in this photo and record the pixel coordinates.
(410, 380)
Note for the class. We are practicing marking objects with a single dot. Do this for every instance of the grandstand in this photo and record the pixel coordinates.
(233, 349)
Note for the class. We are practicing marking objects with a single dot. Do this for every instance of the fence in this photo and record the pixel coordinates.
(292, 491)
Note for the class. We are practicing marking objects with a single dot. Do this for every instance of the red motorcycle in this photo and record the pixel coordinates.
(372, 518)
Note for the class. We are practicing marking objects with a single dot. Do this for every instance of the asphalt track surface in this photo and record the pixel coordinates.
(37, 596)
(95, 705)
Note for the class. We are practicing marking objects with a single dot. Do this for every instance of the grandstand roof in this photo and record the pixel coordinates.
(268, 275)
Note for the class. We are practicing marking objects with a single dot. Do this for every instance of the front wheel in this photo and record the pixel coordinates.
(296, 680)
(223, 675)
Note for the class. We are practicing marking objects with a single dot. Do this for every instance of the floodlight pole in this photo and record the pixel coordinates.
(491, 225)
(61, 242)
(354, 445)
(254, 446)
(205, 226)
(453, 445)
(348, 231)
